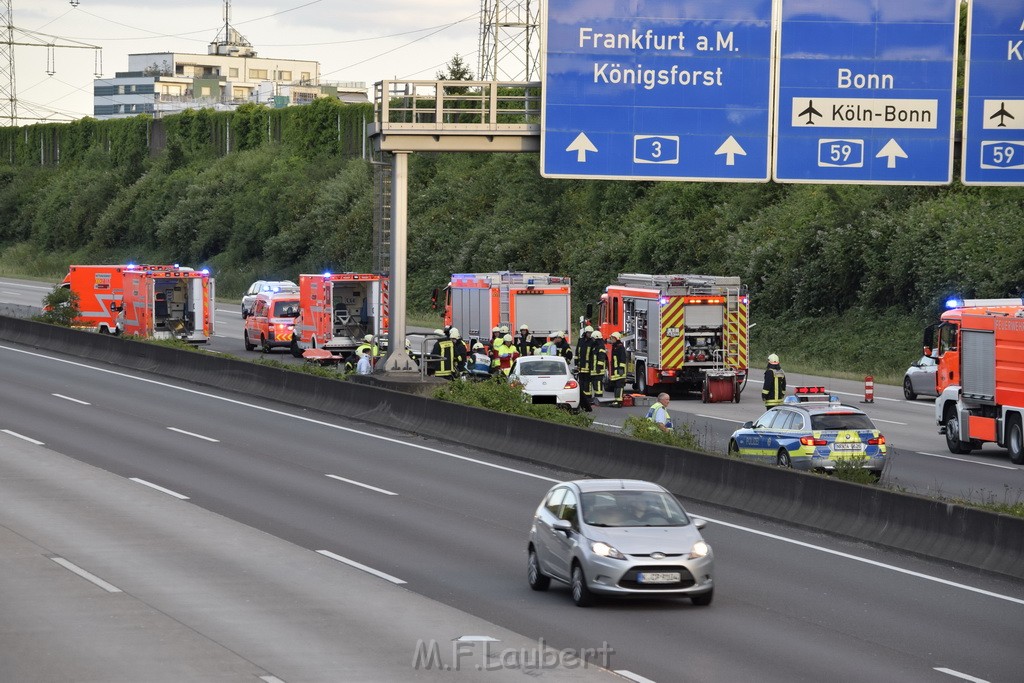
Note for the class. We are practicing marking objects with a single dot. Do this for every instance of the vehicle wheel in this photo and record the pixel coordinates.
(1015, 442)
(264, 346)
(704, 599)
(908, 390)
(248, 346)
(536, 578)
(734, 449)
(296, 351)
(640, 380)
(581, 594)
(953, 442)
(782, 459)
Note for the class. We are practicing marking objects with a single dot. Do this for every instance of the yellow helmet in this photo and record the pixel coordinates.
(773, 359)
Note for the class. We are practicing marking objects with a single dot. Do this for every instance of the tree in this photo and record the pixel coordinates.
(60, 307)
(458, 70)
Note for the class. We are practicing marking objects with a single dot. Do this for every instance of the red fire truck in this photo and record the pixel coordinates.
(979, 376)
(475, 303)
(679, 328)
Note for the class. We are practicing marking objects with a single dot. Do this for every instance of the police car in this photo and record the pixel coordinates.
(811, 430)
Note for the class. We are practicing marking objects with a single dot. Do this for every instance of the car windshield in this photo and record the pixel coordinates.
(632, 508)
(286, 309)
(543, 367)
(832, 421)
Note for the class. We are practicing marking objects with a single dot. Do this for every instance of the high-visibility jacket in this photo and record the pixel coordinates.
(525, 344)
(773, 390)
(659, 415)
(598, 357)
(445, 348)
(583, 353)
(549, 348)
(374, 350)
(619, 361)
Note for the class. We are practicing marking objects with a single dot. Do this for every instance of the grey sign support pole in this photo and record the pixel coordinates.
(398, 359)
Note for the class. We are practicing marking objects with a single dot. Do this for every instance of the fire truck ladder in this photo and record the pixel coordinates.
(382, 236)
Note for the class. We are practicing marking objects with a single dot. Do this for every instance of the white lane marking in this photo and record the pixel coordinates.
(716, 417)
(110, 588)
(227, 310)
(957, 674)
(370, 570)
(223, 336)
(73, 400)
(365, 486)
(282, 413)
(271, 679)
(15, 284)
(865, 560)
(972, 462)
(850, 393)
(198, 436)
(626, 673)
(892, 422)
(22, 436)
(605, 424)
(159, 488)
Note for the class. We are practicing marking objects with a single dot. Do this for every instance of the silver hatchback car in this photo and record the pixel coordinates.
(618, 537)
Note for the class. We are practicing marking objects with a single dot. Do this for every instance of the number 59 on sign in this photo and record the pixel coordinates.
(834, 152)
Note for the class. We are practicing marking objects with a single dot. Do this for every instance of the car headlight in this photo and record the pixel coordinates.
(699, 549)
(605, 550)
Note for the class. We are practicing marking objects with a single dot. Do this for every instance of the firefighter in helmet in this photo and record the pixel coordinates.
(598, 364)
(618, 360)
(774, 388)
(583, 346)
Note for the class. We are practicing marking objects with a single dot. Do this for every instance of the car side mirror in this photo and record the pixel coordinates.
(562, 525)
(699, 523)
(748, 424)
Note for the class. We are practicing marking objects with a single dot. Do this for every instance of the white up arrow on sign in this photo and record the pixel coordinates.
(730, 148)
(581, 145)
(891, 150)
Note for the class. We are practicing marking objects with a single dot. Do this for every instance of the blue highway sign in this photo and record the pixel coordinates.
(657, 90)
(993, 146)
(865, 91)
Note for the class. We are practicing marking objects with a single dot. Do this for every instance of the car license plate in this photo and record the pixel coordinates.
(657, 577)
(848, 447)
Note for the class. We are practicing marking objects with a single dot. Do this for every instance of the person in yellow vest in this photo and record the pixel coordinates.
(658, 413)
(619, 360)
(773, 391)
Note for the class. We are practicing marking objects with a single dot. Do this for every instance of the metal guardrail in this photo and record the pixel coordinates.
(473, 106)
(456, 116)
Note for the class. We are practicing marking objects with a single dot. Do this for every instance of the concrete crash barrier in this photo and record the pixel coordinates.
(924, 526)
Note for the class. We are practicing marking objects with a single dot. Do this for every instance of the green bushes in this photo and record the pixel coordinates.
(646, 430)
(500, 396)
(60, 307)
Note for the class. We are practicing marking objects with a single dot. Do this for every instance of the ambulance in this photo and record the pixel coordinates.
(336, 310)
(99, 289)
(167, 303)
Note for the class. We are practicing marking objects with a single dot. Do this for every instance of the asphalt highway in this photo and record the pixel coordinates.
(919, 460)
(451, 524)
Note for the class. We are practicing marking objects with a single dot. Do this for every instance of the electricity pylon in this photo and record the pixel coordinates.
(12, 36)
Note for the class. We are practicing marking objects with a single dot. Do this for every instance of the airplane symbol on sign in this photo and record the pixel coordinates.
(1002, 114)
(810, 112)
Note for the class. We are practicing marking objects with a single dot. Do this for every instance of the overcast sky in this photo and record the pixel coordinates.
(367, 40)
